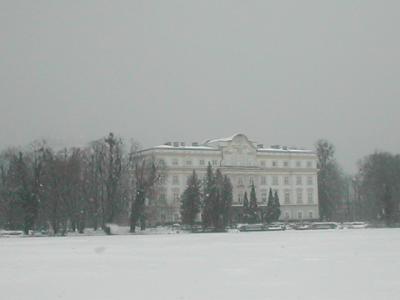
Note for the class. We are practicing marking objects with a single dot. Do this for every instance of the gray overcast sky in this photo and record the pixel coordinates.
(282, 72)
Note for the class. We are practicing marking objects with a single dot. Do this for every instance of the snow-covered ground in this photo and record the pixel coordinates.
(326, 264)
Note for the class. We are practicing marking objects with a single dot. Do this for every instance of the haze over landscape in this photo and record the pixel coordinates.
(281, 72)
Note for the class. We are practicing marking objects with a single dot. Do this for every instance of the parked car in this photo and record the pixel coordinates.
(324, 225)
(354, 225)
(251, 227)
(302, 226)
(276, 227)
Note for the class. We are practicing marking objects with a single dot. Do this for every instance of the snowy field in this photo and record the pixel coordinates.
(326, 264)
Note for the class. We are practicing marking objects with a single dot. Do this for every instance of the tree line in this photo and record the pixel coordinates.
(372, 194)
(109, 181)
(74, 188)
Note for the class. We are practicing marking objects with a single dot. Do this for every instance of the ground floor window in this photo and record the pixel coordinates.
(287, 196)
(240, 197)
(300, 215)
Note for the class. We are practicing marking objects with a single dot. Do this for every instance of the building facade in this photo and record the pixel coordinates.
(289, 171)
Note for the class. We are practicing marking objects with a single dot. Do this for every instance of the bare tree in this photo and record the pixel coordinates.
(330, 183)
(147, 175)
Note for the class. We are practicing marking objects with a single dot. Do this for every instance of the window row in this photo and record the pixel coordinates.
(192, 162)
(299, 215)
(277, 180)
(288, 164)
(175, 196)
(273, 180)
(263, 163)
(298, 195)
(262, 197)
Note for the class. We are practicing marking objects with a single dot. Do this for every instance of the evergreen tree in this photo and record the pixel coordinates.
(245, 201)
(218, 205)
(227, 198)
(269, 215)
(191, 200)
(209, 197)
(217, 200)
(253, 205)
(245, 208)
(253, 197)
(277, 207)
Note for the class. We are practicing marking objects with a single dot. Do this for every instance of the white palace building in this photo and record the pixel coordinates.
(290, 171)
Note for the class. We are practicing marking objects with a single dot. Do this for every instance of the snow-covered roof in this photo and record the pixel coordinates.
(215, 144)
(288, 150)
(200, 147)
(226, 139)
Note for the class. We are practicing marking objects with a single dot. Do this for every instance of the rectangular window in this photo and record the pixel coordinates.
(310, 215)
(214, 162)
(240, 197)
(175, 162)
(300, 215)
(275, 180)
(310, 196)
(175, 179)
(188, 162)
(287, 197)
(162, 197)
(298, 164)
(287, 215)
(298, 180)
(286, 180)
(264, 196)
(251, 180)
(274, 163)
(309, 180)
(263, 180)
(202, 162)
(176, 195)
(309, 164)
(162, 179)
(286, 164)
(263, 163)
(299, 193)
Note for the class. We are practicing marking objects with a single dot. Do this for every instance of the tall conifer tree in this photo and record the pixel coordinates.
(191, 200)
(218, 205)
(245, 208)
(253, 205)
(277, 207)
(227, 198)
(269, 215)
(209, 197)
